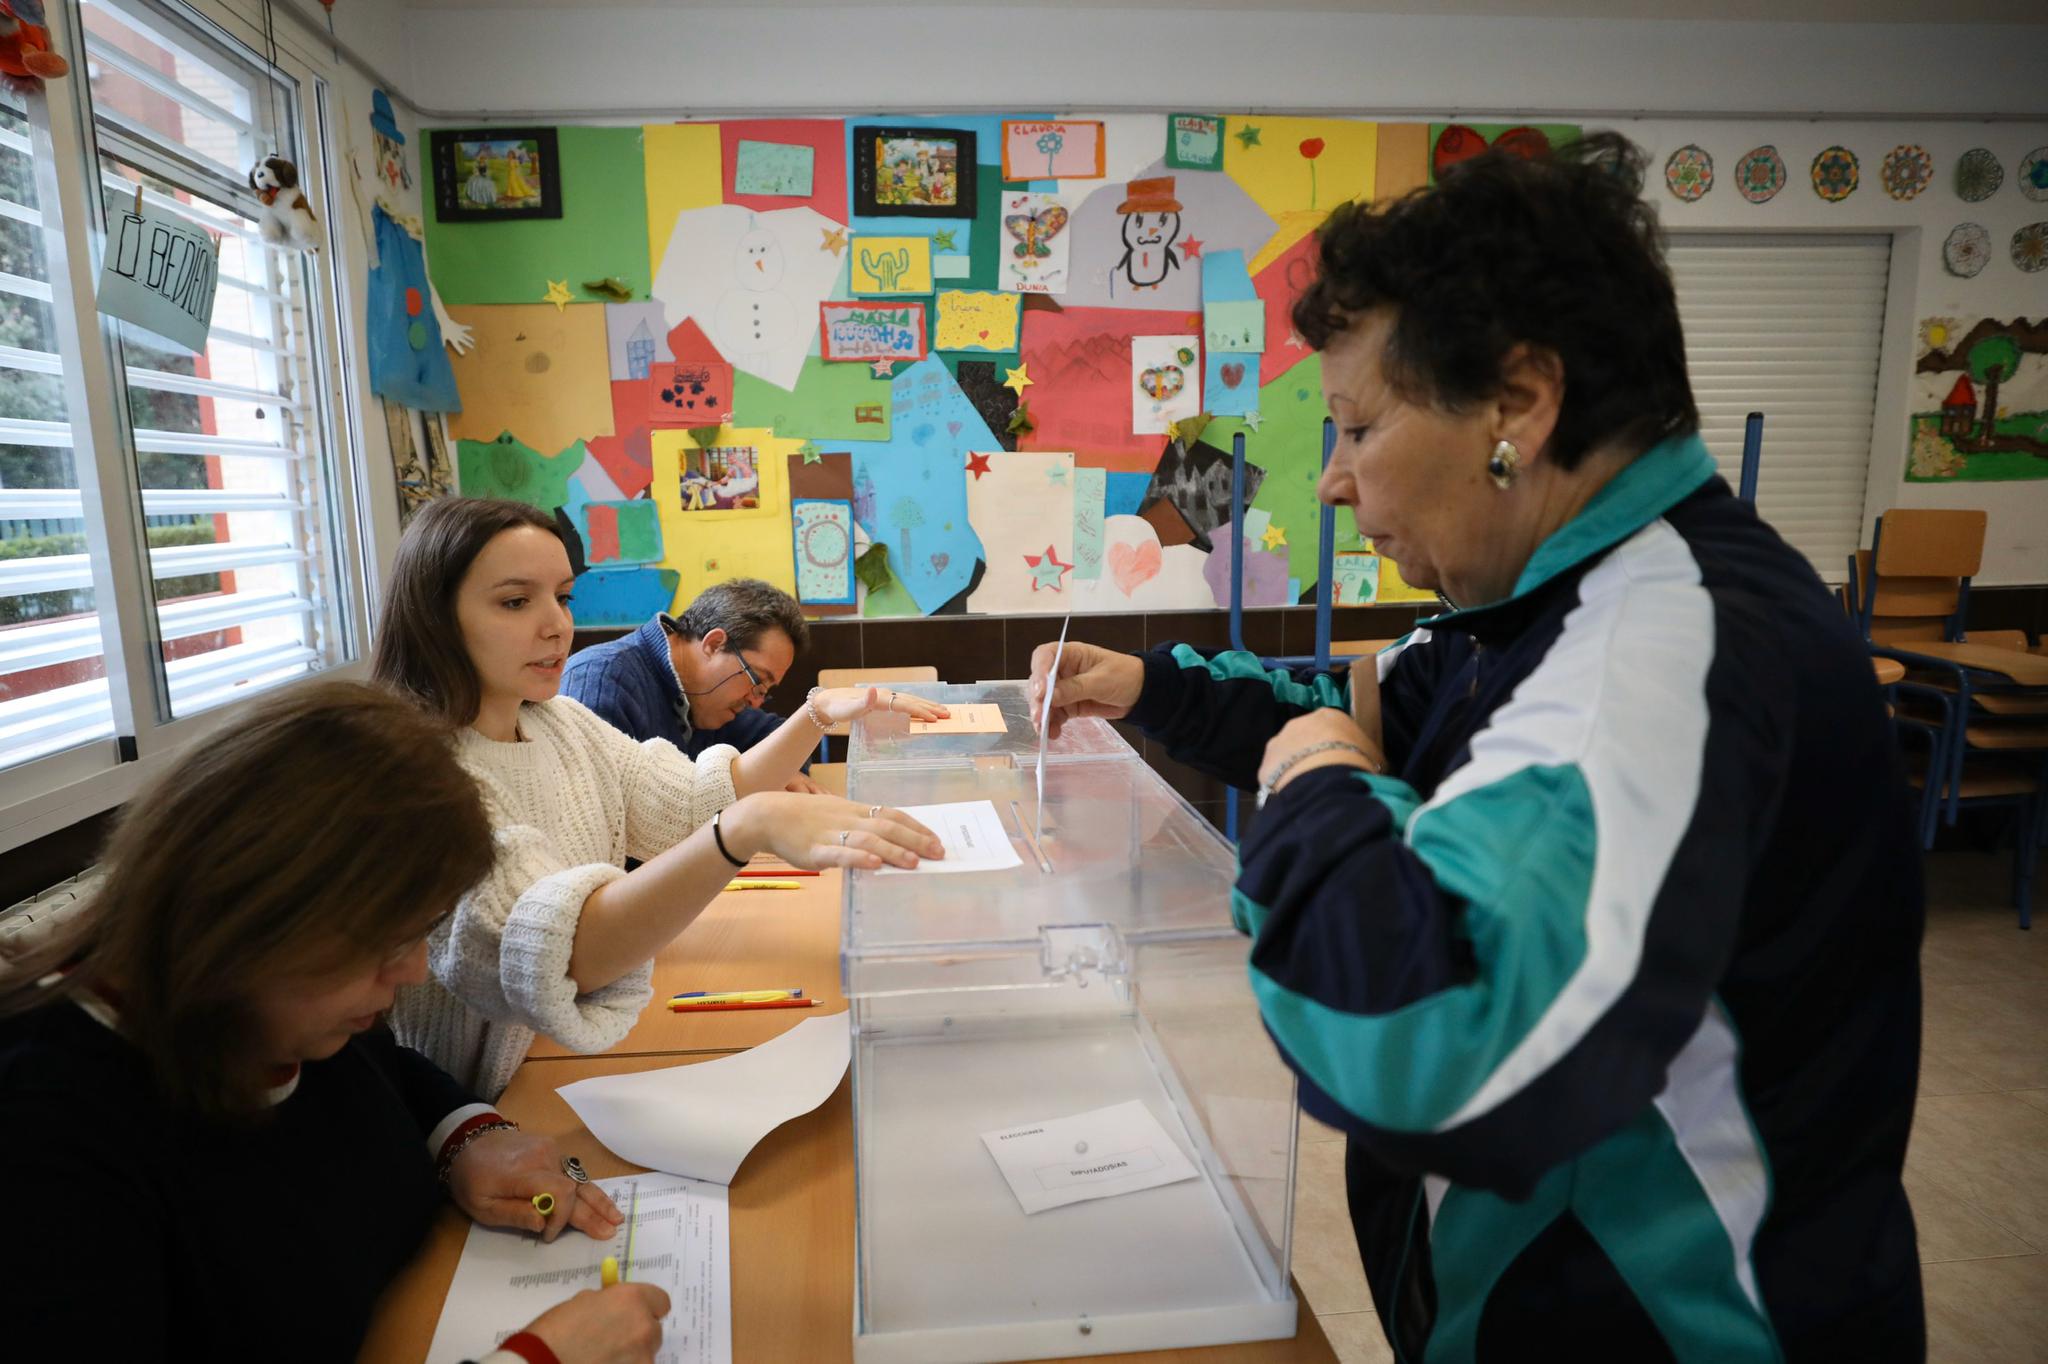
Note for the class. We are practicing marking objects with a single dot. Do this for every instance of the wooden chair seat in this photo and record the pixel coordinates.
(2026, 670)
(1357, 648)
(2021, 735)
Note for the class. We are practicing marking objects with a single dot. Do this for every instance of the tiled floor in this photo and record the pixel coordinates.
(1977, 1170)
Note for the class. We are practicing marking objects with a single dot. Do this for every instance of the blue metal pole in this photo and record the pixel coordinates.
(1236, 590)
(1237, 541)
(1326, 558)
(1752, 456)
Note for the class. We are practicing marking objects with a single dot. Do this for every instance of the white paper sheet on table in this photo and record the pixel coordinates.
(681, 1243)
(1099, 1154)
(972, 833)
(701, 1120)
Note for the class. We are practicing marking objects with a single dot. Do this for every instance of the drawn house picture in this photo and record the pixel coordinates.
(1980, 409)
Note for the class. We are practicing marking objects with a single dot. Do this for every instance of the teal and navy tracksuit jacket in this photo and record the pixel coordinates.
(1613, 981)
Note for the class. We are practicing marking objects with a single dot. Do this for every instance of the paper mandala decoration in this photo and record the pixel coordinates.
(1967, 250)
(2030, 248)
(2033, 175)
(1760, 174)
(1978, 175)
(1689, 173)
(1835, 174)
(1907, 170)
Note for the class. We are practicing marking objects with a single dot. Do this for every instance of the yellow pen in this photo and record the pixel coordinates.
(608, 1270)
(758, 884)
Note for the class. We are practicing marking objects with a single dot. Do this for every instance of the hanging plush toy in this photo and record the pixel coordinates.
(287, 218)
(26, 60)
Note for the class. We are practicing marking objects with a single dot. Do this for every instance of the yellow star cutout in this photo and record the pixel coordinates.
(558, 294)
(1017, 380)
(1274, 536)
(835, 239)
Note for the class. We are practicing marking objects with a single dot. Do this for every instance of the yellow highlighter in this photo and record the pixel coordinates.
(608, 1270)
(761, 884)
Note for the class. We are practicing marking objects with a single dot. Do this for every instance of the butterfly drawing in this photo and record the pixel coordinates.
(1035, 230)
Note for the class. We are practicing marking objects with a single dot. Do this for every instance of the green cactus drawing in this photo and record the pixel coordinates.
(887, 269)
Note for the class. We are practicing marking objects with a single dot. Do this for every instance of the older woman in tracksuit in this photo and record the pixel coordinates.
(1597, 930)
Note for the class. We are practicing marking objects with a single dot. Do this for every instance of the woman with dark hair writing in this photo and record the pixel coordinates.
(225, 1155)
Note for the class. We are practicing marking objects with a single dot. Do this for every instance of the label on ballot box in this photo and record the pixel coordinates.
(1100, 1154)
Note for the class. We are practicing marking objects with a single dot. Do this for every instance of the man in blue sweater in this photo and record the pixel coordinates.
(698, 678)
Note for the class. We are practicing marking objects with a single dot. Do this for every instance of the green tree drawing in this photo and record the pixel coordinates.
(905, 514)
(1994, 359)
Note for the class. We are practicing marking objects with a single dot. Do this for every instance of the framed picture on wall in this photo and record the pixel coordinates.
(488, 175)
(913, 172)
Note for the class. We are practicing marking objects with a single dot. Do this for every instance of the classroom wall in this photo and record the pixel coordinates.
(1922, 289)
(798, 58)
(594, 58)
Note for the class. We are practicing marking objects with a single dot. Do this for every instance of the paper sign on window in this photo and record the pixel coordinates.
(160, 273)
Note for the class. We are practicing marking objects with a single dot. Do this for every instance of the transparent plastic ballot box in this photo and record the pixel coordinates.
(1100, 971)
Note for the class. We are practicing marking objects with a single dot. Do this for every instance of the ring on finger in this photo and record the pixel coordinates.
(874, 810)
(844, 834)
(573, 1168)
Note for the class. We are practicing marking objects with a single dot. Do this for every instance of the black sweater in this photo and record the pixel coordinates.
(141, 1234)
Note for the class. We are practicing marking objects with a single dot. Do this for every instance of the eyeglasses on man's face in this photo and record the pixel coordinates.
(756, 688)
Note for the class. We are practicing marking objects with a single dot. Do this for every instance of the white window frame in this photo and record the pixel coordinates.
(52, 792)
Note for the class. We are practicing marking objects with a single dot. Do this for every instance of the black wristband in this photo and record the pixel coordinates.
(719, 838)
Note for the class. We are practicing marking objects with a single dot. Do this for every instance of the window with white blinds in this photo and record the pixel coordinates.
(54, 690)
(178, 550)
(1789, 326)
(223, 456)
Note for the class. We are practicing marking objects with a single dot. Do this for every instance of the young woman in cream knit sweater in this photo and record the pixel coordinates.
(559, 938)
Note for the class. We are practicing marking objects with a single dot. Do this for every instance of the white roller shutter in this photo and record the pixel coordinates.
(1789, 326)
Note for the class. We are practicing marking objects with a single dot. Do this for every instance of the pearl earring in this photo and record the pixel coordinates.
(1502, 466)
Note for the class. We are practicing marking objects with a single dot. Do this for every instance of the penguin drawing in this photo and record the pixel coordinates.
(1151, 227)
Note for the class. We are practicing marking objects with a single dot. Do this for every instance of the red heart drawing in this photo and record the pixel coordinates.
(1134, 565)
(983, 334)
(1233, 375)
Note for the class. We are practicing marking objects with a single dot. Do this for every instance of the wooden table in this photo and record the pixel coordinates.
(793, 1199)
(744, 940)
(792, 1238)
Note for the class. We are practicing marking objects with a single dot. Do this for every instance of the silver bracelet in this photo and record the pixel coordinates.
(811, 709)
(447, 1162)
(1287, 764)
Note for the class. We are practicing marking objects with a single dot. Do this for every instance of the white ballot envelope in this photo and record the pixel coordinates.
(1100, 1154)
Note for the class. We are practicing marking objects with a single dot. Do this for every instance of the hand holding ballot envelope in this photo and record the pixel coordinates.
(1092, 681)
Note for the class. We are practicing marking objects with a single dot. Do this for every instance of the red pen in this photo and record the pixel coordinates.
(684, 1006)
(771, 871)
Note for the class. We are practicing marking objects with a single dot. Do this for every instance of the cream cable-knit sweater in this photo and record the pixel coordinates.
(568, 806)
